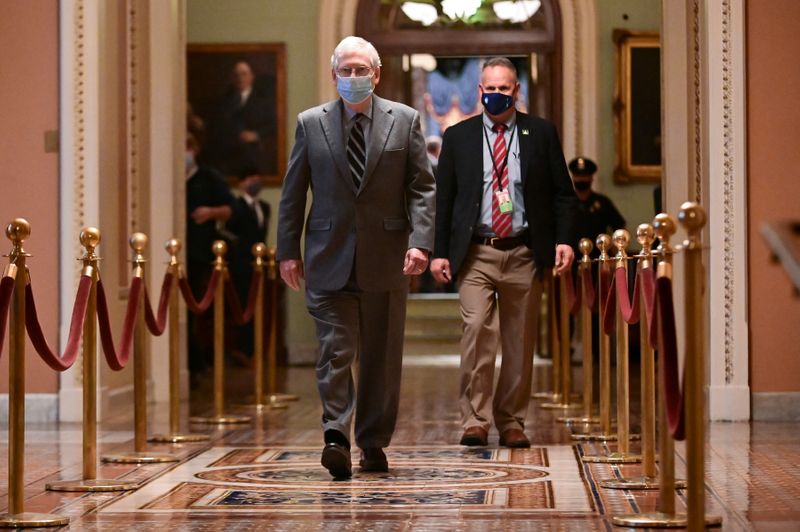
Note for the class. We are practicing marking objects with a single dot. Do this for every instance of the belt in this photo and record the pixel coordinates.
(503, 244)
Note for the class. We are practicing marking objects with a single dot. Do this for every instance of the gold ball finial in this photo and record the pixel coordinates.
(621, 239)
(645, 235)
(219, 248)
(90, 237)
(603, 243)
(692, 217)
(18, 230)
(259, 249)
(138, 241)
(664, 226)
(585, 245)
(173, 246)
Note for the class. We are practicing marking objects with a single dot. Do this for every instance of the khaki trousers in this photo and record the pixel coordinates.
(500, 296)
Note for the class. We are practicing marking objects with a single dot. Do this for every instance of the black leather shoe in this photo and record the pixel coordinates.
(336, 459)
(373, 459)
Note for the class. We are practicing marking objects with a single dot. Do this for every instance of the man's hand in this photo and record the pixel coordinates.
(440, 268)
(202, 214)
(415, 262)
(248, 135)
(292, 272)
(564, 257)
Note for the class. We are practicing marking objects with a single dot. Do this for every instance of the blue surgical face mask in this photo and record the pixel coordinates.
(496, 103)
(354, 89)
(190, 163)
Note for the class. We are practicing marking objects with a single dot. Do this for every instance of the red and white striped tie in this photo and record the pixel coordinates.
(501, 222)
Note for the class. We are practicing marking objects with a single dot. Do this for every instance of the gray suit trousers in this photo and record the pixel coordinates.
(352, 323)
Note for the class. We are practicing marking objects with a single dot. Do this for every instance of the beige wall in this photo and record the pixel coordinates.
(635, 201)
(29, 181)
(773, 88)
(294, 23)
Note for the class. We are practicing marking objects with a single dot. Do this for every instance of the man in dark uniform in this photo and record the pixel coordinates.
(596, 213)
(208, 202)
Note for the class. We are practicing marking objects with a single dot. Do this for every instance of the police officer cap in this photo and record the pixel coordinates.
(582, 166)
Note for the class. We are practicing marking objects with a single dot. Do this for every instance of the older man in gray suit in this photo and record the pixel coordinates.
(370, 225)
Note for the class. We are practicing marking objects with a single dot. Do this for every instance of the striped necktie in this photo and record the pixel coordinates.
(356, 151)
(501, 222)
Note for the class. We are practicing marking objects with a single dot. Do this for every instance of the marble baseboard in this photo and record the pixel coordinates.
(776, 406)
(39, 408)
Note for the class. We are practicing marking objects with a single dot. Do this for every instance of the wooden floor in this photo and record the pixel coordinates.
(266, 475)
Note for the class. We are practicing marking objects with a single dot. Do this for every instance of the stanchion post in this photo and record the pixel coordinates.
(173, 247)
(220, 248)
(276, 399)
(548, 288)
(138, 242)
(645, 236)
(90, 239)
(17, 231)
(563, 385)
(693, 218)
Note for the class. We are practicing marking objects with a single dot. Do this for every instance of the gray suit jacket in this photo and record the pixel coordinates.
(392, 211)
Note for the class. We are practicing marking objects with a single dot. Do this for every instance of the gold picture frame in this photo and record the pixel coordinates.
(637, 107)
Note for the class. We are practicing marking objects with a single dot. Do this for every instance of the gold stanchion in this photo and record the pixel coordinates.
(586, 418)
(603, 243)
(219, 418)
(665, 515)
(140, 455)
(259, 252)
(622, 454)
(565, 360)
(552, 342)
(17, 231)
(173, 247)
(90, 238)
(275, 398)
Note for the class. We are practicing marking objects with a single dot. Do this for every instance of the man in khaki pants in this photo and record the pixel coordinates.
(504, 216)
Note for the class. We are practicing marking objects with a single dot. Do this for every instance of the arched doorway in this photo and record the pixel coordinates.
(450, 39)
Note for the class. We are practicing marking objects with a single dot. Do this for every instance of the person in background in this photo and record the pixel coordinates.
(370, 226)
(504, 215)
(596, 212)
(249, 224)
(208, 203)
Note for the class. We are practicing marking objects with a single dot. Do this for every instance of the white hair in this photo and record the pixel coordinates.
(354, 43)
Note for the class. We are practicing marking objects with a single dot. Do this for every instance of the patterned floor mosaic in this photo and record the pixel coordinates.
(444, 478)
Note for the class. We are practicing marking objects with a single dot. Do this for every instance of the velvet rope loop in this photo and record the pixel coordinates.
(208, 298)
(648, 277)
(668, 348)
(573, 291)
(609, 304)
(629, 307)
(157, 326)
(6, 290)
(117, 360)
(241, 317)
(34, 328)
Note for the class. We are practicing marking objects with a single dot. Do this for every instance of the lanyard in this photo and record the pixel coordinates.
(499, 172)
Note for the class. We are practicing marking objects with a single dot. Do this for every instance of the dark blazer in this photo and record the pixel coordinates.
(549, 197)
(393, 209)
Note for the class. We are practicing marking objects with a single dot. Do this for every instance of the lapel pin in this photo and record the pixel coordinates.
(525, 132)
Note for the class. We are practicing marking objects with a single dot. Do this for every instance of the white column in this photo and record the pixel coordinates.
(729, 391)
(79, 178)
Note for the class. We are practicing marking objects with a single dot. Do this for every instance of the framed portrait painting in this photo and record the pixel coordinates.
(637, 107)
(237, 107)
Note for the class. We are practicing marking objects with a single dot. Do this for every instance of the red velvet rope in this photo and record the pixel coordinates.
(668, 348)
(191, 302)
(56, 362)
(629, 309)
(6, 290)
(591, 296)
(118, 360)
(157, 326)
(610, 308)
(649, 291)
(573, 291)
(239, 317)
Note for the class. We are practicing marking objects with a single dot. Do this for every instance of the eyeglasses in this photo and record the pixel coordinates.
(359, 71)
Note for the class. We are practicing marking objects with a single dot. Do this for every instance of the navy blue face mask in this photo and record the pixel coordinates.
(496, 103)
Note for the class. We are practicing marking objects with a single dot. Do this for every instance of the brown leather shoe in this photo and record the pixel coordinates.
(475, 436)
(514, 438)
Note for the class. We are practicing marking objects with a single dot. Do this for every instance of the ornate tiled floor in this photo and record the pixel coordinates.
(266, 476)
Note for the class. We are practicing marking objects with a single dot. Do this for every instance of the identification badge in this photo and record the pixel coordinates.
(504, 201)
